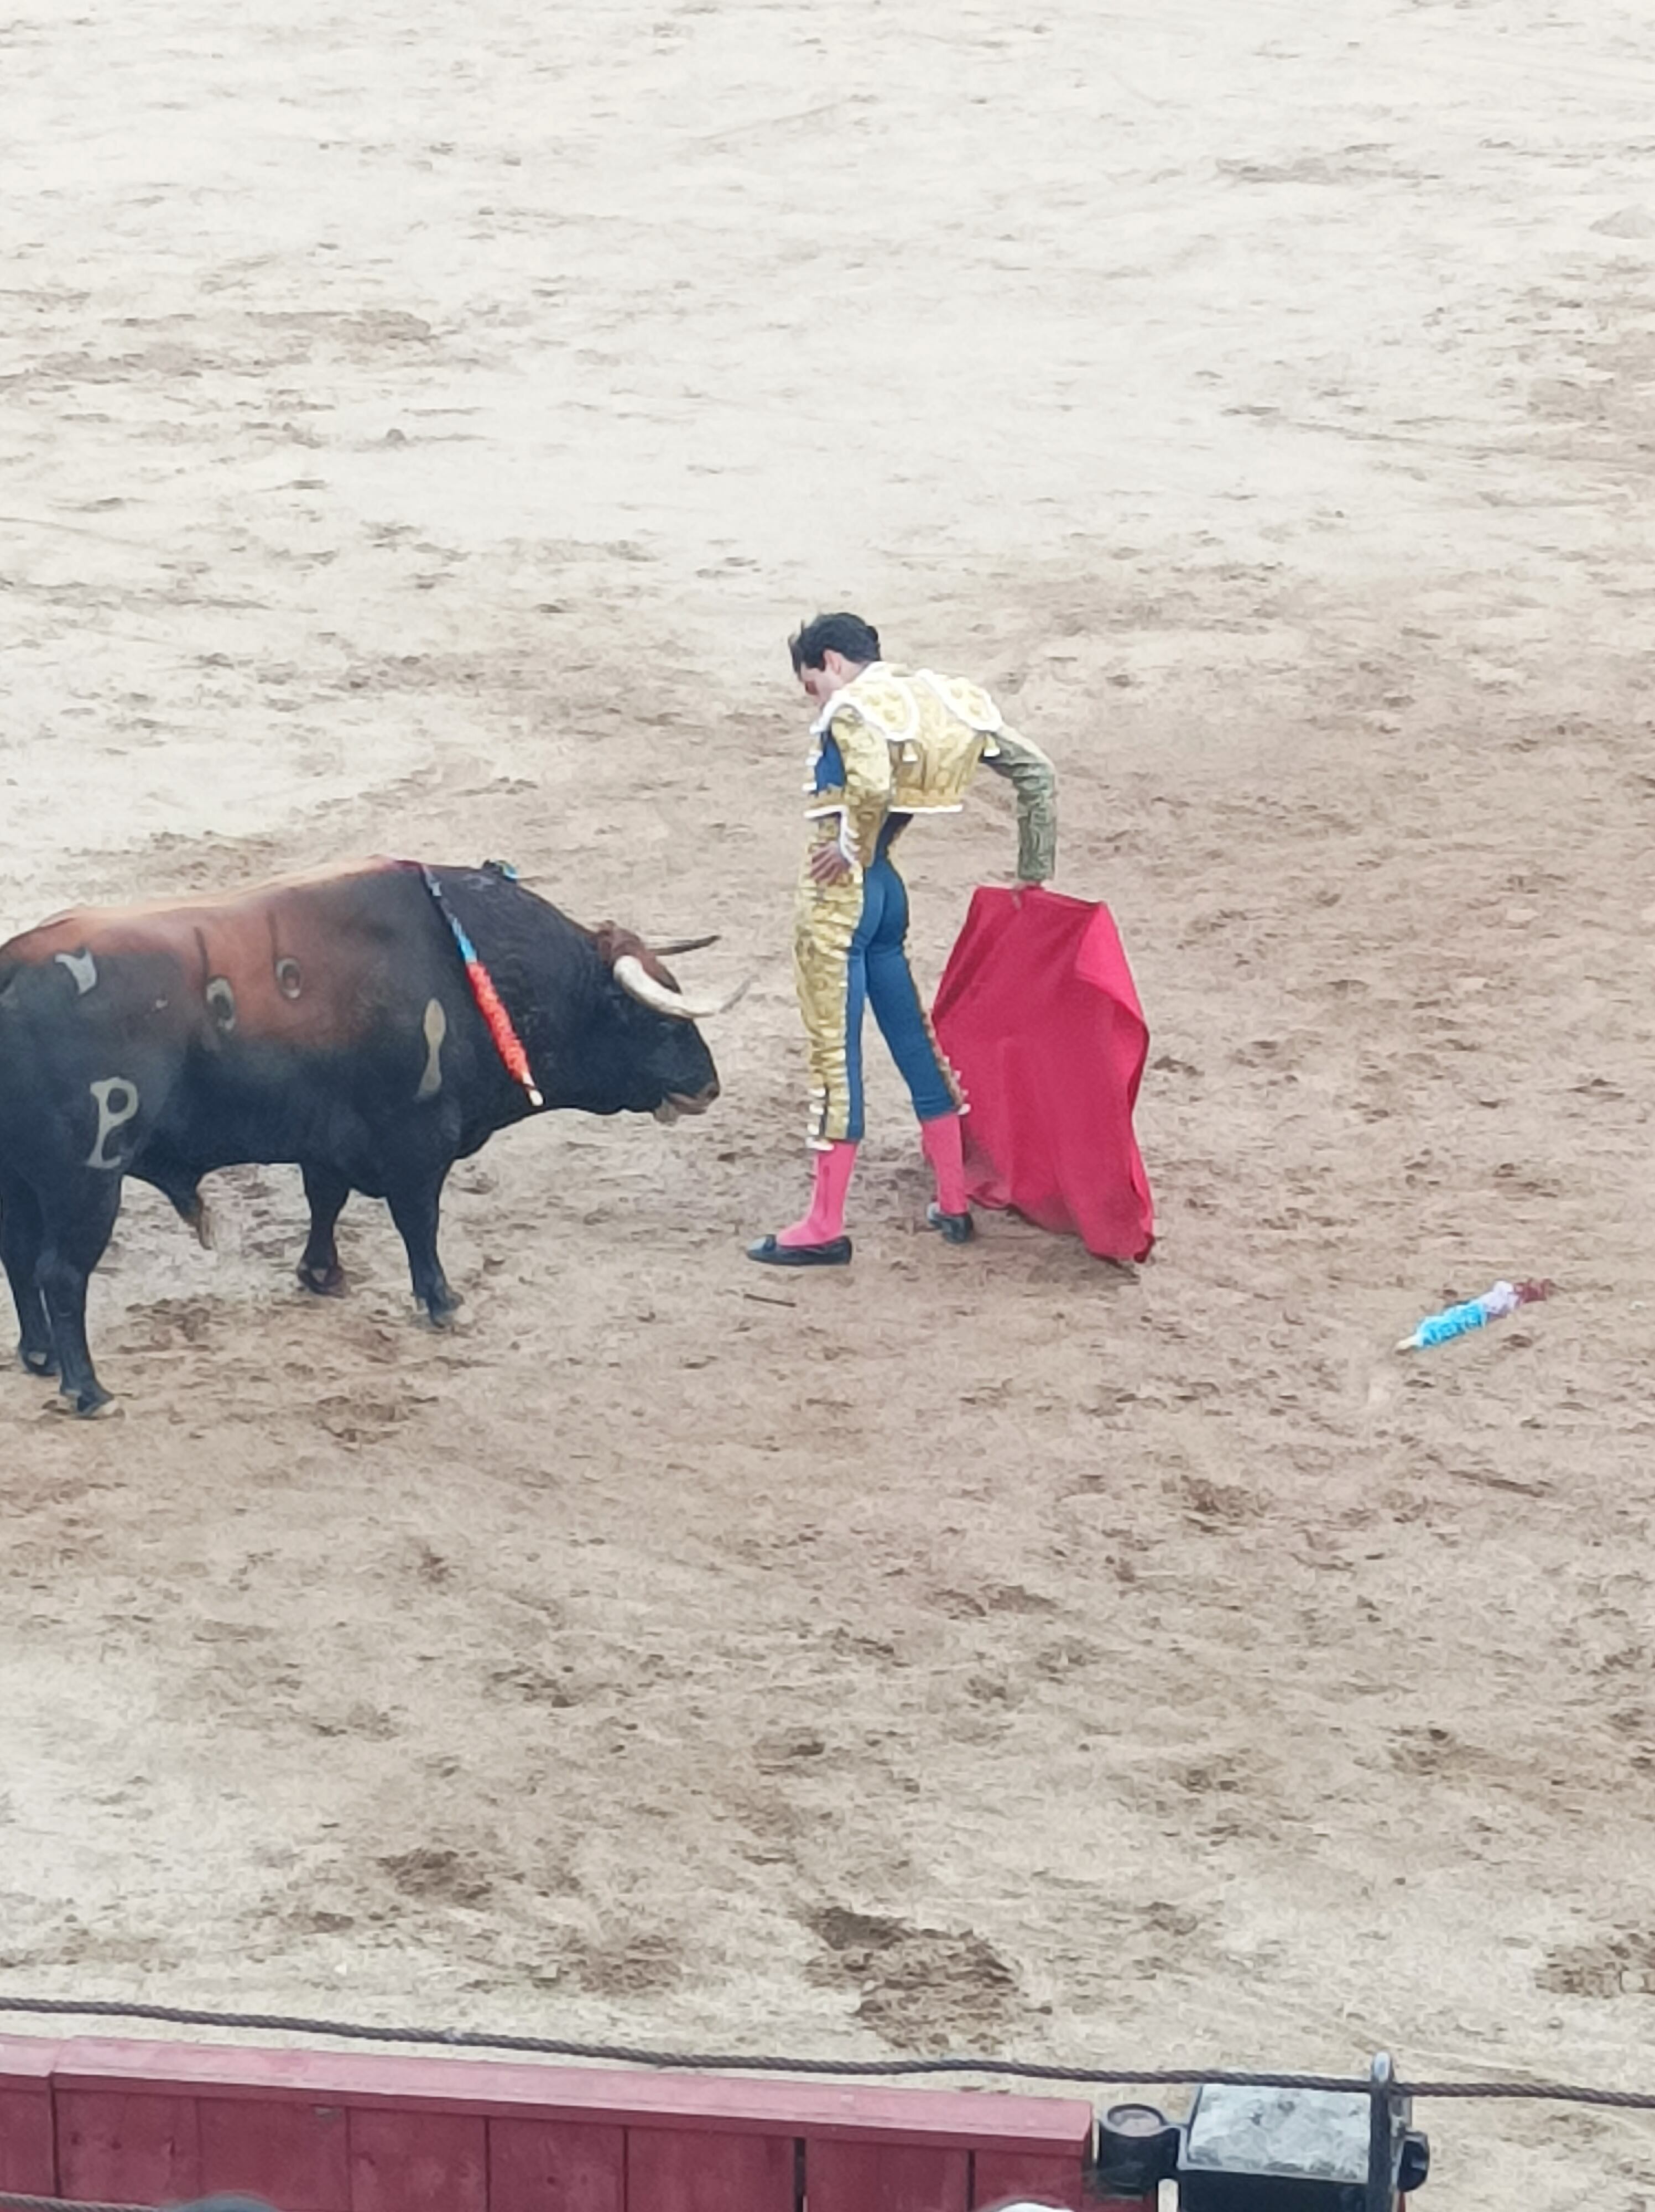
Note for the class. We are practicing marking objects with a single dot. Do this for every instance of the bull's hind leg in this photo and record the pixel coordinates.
(22, 1232)
(415, 1208)
(77, 1225)
(319, 1264)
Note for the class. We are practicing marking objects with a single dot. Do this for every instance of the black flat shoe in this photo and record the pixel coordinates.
(952, 1227)
(835, 1252)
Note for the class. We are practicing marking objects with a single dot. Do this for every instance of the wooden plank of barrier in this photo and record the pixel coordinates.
(555, 2166)
(413, 2161)
(128, 2146)
(885, 2177)
(297, 2155)
(669, 2170)
(1000, 2174)
(28, 2155)
(27, 2162)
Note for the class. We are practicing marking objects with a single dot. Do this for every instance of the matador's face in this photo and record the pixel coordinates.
(836, 672)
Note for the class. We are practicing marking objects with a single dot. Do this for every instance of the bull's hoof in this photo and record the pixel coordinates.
(440, 1313)
(322, 1282)
(44, 1364)
(93, 1405)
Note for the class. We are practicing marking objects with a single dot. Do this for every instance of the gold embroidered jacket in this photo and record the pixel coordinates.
(909, 742)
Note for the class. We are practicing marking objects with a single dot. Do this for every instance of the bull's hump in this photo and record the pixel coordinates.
(302, 960)
(95, 923)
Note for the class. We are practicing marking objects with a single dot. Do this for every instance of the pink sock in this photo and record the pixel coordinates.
(826, 1218)
(947, 1153)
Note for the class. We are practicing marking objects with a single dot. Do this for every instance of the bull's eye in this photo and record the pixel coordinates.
(289, 981)
(222, 1001)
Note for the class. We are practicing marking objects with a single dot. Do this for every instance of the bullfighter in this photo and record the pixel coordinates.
(887, 743)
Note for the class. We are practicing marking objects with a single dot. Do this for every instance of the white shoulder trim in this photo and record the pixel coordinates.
(819, 727)
(847, 701)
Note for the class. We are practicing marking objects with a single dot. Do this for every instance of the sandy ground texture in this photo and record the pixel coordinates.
(418, 429)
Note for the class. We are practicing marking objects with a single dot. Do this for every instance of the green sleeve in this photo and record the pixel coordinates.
(1032, 776)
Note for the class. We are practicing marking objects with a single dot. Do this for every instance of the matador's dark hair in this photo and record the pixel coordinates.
(846, 634)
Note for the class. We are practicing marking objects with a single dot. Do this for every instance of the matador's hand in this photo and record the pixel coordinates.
(828, 864)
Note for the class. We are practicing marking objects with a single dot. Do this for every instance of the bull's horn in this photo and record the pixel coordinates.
(635, 980)
(684, 945)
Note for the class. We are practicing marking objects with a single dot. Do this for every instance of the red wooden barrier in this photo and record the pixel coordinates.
(412, 2161)
(1019, 2173)
(303, 2151)
(26, 2156)
(340, 2131)
(885, 2177)
(551, 2165)
(681, 2170)
(117, 2145)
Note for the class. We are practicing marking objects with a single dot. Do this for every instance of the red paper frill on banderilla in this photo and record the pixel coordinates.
(1038, 1011)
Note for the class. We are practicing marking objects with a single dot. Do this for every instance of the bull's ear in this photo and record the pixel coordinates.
(684, 945)
(614, 943)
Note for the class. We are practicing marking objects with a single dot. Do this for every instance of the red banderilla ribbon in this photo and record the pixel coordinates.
(490, 1005)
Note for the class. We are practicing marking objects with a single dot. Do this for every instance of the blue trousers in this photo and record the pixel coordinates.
(842, 970)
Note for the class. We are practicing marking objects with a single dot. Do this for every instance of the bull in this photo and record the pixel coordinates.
(329, 1020)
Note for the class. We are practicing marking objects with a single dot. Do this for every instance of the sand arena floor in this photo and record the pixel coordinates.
(418, 429)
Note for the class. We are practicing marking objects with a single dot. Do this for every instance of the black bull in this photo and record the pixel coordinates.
(326, 1020)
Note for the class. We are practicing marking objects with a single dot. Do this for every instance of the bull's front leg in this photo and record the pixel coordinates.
(319, 1264)
(416, 1205)
(22, 1233)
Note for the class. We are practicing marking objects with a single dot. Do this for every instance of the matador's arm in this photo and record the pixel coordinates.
(1032, 776)
(865, 798)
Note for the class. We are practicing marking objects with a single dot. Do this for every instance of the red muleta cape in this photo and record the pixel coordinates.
(1038, 1011)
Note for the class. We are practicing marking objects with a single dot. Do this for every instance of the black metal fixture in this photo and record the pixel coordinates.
(1137, 2150)
(1247, 2149)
